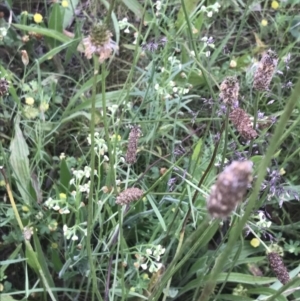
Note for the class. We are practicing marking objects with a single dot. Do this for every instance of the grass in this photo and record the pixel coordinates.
(69, 151)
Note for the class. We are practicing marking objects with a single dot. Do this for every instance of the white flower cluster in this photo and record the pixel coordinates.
(71, 233)
(100, 144)
(262, 220)
(61, 204)
(150, 260)
(171, 90)
(79, 176)
(211, 9)
(124, 25)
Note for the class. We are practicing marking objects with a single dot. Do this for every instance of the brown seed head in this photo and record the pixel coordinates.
(134, 135)
(278, 267)
(242, 122)
(265, 71)
(230, 90)
(4, 85)
(129, 195)
(229, 189)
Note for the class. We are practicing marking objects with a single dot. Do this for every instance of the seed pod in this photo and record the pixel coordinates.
(230, 90)
(229, 188)
(129, 195)
(134, 135)
(3, 86)
(242, 122)
(278, 267)
(265, 71)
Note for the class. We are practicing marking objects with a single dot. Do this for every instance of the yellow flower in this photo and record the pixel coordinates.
(264, 22)
(52, 225)
(116, 137)
(275, 4)
(62, 196)
(232, 64)
(255, 242)
(29, 101)
(44, 106)
(282, 171)
(54, 245)
(25, 208)
(64, 3)
(38, 18)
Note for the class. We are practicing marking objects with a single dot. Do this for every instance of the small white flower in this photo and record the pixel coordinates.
(74, 237)
(148, 251)
(209, 14)
(87, 171)
(126, 30)
(204, 39)
(56, 207)
(207, 53)
(65, 228)
(192, 53)
(175, 89)
(152, 268)
(144, 266)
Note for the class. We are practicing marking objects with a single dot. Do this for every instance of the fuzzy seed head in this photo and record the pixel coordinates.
(4, 85)
(230, 90)
(265, 71)
(229, 188)
(134, 136)
(129, 195)
(100, 35)
(278, 267)
(99, 42)
(242, 122)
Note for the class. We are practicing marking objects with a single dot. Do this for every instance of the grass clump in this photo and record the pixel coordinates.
(149, 150)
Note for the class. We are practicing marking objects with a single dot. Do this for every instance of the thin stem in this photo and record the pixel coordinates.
(226, 137)
(91, 201)
(108, 16)
(111, 174)
(255, 111)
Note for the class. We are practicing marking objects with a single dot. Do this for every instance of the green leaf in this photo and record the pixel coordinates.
(65, 176)
(137, 9)
(55, 23)
(234, 298)
(197, 151)
(20, 163)
(190, 6)
(265, 291)
(45, 32)
(31, 255)
(7, 298)
(69, 13)
(41, 258)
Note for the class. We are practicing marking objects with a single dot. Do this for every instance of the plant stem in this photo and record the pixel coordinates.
(91, 200)
(226, 137)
